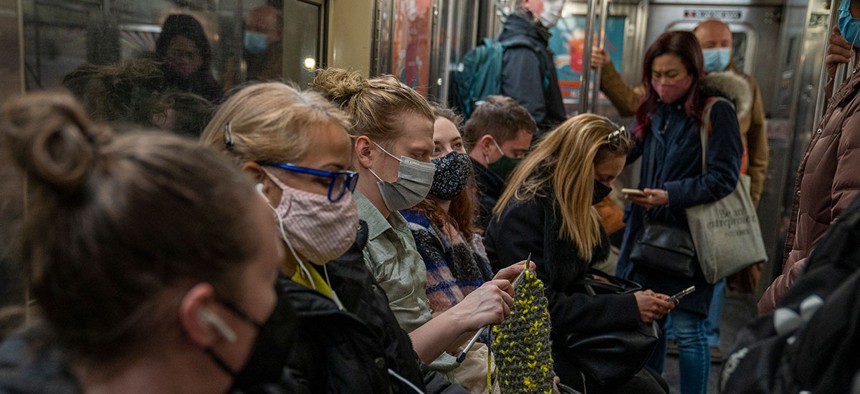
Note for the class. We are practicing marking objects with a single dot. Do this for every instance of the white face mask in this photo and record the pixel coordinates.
(313, 226)
(414, 180)
(551, 12)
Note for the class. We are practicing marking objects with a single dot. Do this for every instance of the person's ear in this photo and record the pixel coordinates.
(262, 183)
(364, 152)
(196, 316)
(486, 144)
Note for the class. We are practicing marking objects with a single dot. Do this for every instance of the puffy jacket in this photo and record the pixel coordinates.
(826, 182)
(749, 106)
(677, 169)
(524, 69)
(30, 363)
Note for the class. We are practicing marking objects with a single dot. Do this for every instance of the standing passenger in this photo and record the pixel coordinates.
(498, 136)
(528, 71)
(152, 259)
(667, 135)
(827, 179)
(392, 137)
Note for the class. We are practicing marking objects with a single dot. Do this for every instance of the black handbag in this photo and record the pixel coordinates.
(612, 357)
(660, 246)
(665, 248)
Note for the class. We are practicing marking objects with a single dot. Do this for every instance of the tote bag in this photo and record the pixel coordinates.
(726, 232)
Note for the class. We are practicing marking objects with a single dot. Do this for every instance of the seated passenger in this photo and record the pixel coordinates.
(392, 133)
(151, 259)
(443, 226)
(547, 211)
(295, 147)
(497, 136)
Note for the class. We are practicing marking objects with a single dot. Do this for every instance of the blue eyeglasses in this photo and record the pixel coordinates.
(341, 181)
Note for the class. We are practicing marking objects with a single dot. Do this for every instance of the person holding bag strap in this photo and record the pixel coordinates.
(668, 122)
(548, 209)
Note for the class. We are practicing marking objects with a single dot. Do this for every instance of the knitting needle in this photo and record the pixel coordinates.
(462, 355)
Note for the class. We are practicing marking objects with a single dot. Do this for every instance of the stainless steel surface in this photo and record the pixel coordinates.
(585, 82)
(601, 35)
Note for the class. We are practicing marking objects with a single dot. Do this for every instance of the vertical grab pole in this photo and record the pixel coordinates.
(586, 57)
(822, 79)
(601, 37)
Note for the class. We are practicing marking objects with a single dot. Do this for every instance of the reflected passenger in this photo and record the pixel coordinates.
(186, 57)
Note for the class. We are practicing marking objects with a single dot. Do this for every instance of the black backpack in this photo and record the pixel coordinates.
(811, 342)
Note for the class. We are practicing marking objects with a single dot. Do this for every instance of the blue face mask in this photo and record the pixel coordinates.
(255, 42)
(716, 59)
(849, 26)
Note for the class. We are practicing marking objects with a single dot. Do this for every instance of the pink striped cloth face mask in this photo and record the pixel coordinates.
(316, 228)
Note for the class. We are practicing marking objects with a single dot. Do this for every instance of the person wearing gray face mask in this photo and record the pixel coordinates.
(414, 180)
(391, 121)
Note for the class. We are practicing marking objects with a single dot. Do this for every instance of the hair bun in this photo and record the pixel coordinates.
(338, 85)
(51, 139)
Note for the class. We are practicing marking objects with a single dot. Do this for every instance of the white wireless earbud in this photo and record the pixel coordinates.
(259, 188)
(207, 316)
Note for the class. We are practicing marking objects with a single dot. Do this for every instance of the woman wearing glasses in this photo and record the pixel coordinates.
(547, 211)
(295, 147)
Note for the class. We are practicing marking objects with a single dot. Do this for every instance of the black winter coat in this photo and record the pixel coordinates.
(351, 351)
(532, 227)
(528, 72)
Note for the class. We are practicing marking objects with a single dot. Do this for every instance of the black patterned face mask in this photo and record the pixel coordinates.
(452, 172)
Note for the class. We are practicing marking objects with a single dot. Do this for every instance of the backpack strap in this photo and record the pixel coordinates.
(524, 43)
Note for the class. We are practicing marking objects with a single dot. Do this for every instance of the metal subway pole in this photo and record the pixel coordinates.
(586, 57)
(601, 38)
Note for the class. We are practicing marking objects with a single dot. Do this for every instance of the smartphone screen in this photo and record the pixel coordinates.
(635, 192)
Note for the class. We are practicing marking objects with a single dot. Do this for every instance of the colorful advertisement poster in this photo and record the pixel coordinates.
(567, 42)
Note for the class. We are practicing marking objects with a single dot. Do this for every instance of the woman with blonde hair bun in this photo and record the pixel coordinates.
(392, 140)
(547, 210)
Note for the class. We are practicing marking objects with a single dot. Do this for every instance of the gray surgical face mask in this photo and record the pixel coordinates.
(414, 180)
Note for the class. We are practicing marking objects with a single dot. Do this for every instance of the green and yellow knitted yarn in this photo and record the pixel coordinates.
(521, 343)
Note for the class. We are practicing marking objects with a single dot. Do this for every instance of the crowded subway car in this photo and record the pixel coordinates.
(429, 196)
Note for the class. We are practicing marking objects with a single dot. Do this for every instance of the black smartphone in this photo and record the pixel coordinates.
(677, 297)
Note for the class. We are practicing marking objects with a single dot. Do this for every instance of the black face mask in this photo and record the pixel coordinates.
(600, 192)
(270, 351)
(242, 315)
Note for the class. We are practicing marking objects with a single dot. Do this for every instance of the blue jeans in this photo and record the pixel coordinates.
(695, 357)
(715, 314)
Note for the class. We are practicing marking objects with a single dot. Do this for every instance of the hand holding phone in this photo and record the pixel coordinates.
(677, 297)
(634, 192)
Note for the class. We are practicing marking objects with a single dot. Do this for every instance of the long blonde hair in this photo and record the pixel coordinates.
(270, 122)
(563, 162)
